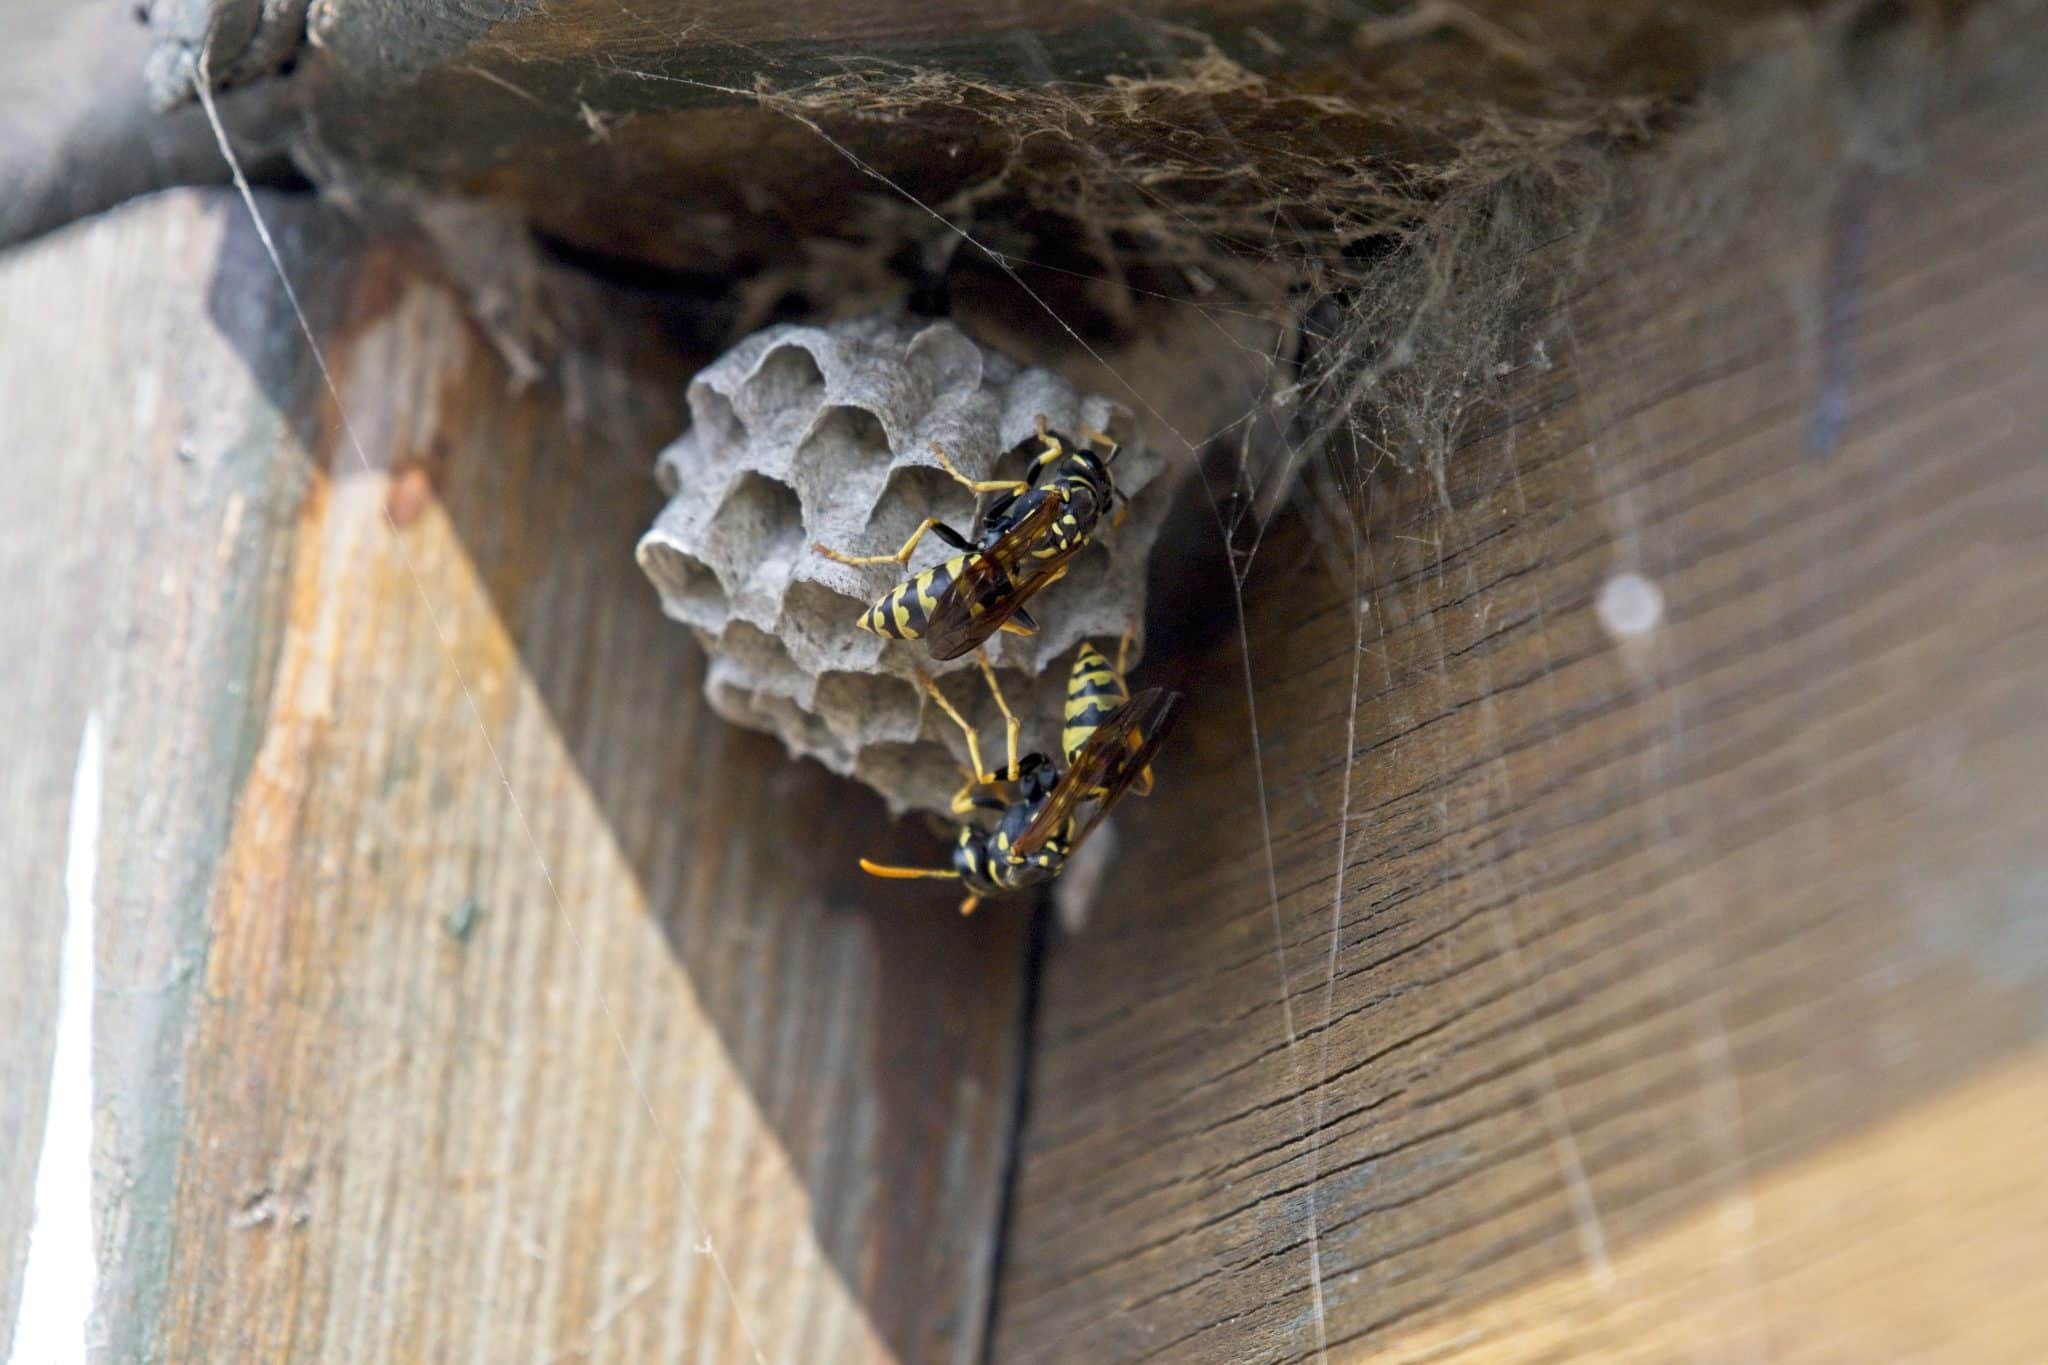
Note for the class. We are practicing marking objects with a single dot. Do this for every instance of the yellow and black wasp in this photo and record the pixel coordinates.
(1034, 801)
(1023, 542)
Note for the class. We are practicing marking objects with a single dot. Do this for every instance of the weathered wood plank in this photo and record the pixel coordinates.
(1045, 129)
(337, 1122)
(1671, 996)
(141, 546)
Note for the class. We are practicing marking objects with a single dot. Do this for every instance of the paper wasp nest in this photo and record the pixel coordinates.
(824, 434)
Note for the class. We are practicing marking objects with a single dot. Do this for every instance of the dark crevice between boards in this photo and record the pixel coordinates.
(1032, 969)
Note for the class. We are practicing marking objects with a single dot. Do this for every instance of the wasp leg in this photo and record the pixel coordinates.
(964, 801)
(1052, 448)
(983, 775)
(1022, 622)
(967, 906)
(875, 869)
(963, 804)
(976, 485)
(1011, 725)
(901, 558)
(1096, 438)
(1123, 507)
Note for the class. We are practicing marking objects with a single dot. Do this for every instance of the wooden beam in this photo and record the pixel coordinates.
(731, 139)
(462, 985)
(1632, 949)
(77, 133)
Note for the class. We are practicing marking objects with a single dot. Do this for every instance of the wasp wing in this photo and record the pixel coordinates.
(1147, 734)
(1108, 763)
(988, 590)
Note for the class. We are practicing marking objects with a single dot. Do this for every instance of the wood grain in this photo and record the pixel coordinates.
(679, 1038)
(1677, 996)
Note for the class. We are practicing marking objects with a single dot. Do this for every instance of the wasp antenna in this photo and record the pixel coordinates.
(874, 869)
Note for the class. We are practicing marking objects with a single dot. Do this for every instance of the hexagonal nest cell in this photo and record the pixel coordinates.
(803, 435)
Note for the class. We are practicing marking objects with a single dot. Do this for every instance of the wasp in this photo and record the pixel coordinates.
(1022, 544)
(1034, 801)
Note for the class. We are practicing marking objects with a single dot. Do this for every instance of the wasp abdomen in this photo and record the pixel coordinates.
(905, 611)
(1094, 689)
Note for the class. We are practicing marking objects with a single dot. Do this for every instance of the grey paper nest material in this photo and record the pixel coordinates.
(803, 434)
